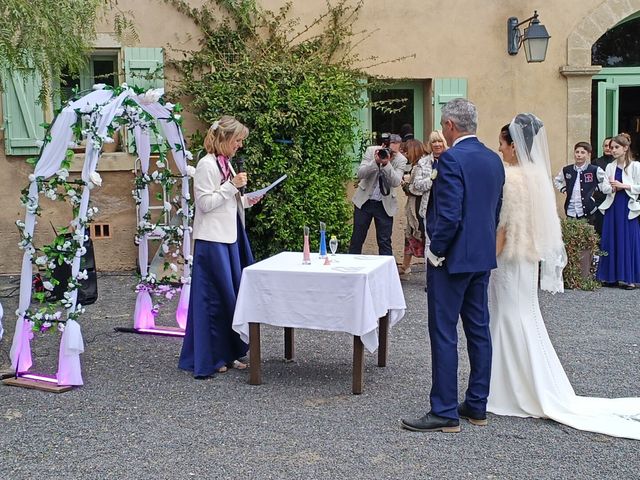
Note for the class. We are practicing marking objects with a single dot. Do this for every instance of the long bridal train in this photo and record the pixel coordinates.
(527, 378)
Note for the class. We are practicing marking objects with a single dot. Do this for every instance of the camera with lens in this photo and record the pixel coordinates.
(385, 151)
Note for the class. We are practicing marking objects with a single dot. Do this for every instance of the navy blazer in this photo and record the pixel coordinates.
(464, 209)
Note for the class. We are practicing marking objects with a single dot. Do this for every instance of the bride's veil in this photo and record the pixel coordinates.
(530, 139)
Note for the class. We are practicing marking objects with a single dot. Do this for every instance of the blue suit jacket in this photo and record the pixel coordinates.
(464, 209)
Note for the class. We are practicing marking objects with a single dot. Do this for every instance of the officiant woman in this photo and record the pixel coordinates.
(221, 251)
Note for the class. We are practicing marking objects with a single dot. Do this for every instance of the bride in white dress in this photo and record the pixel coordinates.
(527, 378)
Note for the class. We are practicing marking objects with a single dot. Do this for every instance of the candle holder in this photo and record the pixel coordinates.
(323, 241)
(306, 252)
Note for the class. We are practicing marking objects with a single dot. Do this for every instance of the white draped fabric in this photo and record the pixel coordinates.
(1, 329)
(51, 158)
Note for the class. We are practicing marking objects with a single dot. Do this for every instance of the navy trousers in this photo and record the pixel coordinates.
(450, 296)
(362, 217)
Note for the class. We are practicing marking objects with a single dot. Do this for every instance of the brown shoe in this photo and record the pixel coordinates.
(474, 418)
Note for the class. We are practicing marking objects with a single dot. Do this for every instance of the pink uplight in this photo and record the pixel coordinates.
(161, 331)
(40, 378)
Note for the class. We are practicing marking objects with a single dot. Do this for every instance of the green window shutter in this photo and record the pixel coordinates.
(446, 89)
(144, 67)
(23, 115)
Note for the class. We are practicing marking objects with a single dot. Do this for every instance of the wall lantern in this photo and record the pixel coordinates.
(535, 38)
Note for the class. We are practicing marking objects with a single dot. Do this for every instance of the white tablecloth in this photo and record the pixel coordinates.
(349, 295)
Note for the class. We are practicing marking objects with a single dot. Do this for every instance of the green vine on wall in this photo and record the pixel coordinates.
(298, 91)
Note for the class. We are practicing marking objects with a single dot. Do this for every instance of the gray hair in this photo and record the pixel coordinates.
(462, 113)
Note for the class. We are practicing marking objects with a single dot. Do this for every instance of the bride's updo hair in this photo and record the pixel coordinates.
(624, 139)
(530, 125)
(222, 133)
(506, 135)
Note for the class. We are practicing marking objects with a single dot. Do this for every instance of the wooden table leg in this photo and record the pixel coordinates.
(255, 374)
(358, 365)
(383, 340)
(288, 344)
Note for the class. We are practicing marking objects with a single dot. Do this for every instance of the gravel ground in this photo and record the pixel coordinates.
(139, 417)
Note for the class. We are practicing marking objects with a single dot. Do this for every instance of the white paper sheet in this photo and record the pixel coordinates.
(262, 191)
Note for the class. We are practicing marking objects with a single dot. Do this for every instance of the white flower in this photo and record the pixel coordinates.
(99, 86)
(177, 116)
(151, 96)
(167, 206)
(165, 248)
(95, 178)
(63, 173)
(160, 164)
(60, 327)
(173, 267)
(83, 275)
(42, 260)
(47, 285)
(169, 106)
(32, 178)
(191, 171)
(215, 125)
(188, 155)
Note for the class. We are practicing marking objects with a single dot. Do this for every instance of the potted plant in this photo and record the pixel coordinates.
(582, 244)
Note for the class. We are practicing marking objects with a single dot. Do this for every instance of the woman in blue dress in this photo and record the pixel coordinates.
(221, 251)
(621, 228)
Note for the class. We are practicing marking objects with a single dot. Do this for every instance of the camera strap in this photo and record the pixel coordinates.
(383, 183)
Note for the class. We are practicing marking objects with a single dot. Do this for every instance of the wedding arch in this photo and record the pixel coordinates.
(155, 128)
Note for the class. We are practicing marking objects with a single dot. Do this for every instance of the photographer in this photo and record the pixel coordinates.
(379, 174)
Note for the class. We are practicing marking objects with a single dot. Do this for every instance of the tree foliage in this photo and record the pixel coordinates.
(42, 37)
(297, 90)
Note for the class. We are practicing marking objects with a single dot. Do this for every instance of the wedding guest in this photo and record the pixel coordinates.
(380, 173)
(621, 229)
(598, 196)
(221, 251)
(527, 377)
(579, 181)
(415, 151)
(406, 132)
(436, 145)
(422, 181)
(606, 157)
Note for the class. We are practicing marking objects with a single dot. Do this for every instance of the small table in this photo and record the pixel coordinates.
(357, 294)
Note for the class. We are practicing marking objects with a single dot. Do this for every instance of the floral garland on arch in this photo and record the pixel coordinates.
(172, 237)
(95, 118)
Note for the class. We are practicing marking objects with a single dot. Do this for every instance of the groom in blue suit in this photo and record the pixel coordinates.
(461, 222)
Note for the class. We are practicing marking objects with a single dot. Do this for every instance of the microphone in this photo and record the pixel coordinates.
(240, 167)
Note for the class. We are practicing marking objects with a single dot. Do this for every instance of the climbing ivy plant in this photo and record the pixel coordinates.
(298, 91)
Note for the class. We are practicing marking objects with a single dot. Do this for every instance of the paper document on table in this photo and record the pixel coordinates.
(262, 191)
